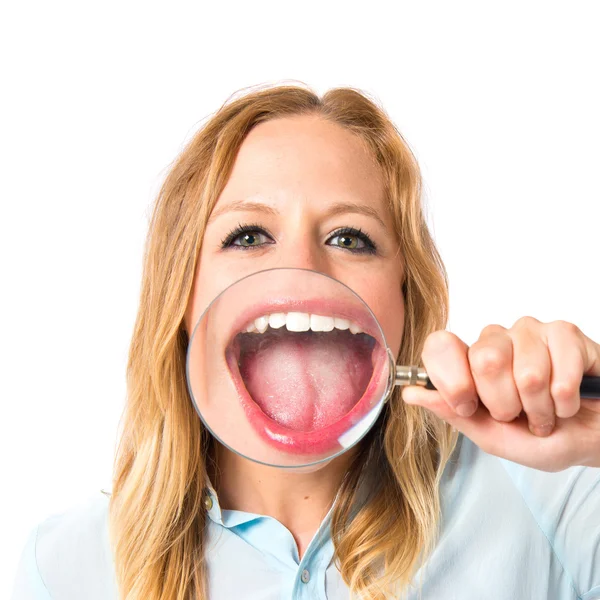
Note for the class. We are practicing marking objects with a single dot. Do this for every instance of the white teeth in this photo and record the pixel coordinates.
(277, 320)
(297, 321)
(355, 328)
(341, 323)
(261, 324)
(319, 323)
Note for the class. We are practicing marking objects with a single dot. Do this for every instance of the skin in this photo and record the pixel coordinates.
(301, 178)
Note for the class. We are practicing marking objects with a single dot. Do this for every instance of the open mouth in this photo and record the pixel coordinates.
(306, 374)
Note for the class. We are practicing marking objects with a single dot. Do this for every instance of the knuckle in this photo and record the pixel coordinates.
(565, 326)
(505, 413)
(564, 391)
(488, 360)
(492, 328)
(526, 322)
(458, 390)
(531, 381)
(438, 341)
(566, 398)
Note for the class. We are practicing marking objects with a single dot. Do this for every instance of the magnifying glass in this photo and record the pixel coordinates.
(289, 368)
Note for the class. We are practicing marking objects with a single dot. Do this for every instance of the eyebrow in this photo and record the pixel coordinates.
(350, 207)
(336, 209)
(243, 206)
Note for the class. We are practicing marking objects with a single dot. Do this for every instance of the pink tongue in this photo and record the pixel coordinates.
(306, 381)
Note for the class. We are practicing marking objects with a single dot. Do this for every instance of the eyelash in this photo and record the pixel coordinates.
(239, 230)
(369, 245)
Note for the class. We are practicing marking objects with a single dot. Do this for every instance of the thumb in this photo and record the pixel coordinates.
(431, 400)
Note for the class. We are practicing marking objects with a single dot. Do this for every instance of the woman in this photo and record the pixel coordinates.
(509, 510)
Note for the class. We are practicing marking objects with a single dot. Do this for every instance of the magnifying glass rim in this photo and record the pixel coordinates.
(389, 386)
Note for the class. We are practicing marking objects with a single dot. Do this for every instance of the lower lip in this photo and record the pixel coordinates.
(319, 442)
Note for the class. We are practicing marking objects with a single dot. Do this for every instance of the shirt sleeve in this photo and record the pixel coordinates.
(566, 507)
(28, 584)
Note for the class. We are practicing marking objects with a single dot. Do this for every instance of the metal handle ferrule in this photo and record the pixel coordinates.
(410, 375)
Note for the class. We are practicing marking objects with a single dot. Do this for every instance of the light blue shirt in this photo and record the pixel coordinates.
(508, 532)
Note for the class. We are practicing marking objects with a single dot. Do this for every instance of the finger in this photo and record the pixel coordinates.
(445, 359)
(567, 356)
(491, 360)
(531, 373)
(431, 400)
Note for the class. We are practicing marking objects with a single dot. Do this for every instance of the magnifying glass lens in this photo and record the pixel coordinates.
(288, 367)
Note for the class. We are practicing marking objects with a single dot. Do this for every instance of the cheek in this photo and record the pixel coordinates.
(391, 318)
(209, 281)
(214, 274)
(387, 303)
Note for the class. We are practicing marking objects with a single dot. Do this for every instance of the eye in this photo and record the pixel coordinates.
(246, 236)
(352, 239)
(352, 242)
(251, 238)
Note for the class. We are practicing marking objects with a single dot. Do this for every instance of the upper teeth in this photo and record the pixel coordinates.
(297, 321)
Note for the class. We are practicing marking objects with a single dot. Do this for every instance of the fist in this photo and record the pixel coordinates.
(515, 392)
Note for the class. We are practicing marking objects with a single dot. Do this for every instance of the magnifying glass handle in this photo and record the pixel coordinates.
(589, 388)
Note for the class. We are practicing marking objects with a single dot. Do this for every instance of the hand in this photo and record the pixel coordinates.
(522, 385)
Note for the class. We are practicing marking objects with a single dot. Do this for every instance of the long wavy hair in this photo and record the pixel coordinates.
(156, 511)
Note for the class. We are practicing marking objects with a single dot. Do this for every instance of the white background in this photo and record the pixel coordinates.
(499, 101)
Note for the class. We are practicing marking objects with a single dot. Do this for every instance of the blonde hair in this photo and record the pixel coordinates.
(156, 511)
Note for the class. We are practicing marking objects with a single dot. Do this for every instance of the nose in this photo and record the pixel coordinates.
(302, 252)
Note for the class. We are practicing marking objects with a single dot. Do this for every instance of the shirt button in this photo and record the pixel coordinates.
(305, 577)
(208, 503)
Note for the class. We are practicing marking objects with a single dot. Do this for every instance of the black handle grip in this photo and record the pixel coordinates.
(589, 388)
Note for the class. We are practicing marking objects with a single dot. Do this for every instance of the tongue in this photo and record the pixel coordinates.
(306, 381)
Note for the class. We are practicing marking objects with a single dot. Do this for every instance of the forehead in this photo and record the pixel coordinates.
(305, 155)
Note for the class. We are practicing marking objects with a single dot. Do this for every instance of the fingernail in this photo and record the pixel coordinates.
(542, 430)
(466, 409)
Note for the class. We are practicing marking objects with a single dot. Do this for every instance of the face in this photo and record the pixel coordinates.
(304, 193)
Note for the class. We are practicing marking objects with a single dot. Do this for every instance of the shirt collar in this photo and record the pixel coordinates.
(233, 518)
(273, 539)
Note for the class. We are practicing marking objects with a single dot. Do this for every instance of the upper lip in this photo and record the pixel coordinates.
(332, 307)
